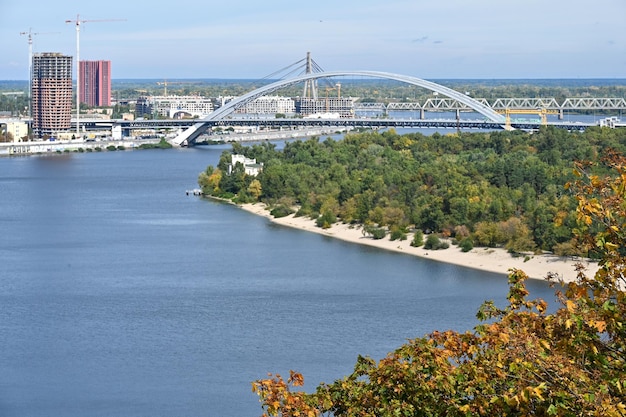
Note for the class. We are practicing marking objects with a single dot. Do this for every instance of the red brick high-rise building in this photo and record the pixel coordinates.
(95, 83)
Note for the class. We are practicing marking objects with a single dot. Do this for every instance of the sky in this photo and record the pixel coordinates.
(251, 39)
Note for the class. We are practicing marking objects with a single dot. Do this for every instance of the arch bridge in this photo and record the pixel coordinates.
(189, 136)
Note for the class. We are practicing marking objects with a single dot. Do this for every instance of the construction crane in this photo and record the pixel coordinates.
(30, 34)
(543, 113)
(78, 22)
(165, 83)
(338, 88)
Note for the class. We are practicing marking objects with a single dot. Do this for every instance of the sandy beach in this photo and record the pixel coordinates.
(486, 259)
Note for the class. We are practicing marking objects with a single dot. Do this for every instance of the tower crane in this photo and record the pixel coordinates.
(30, 34)
(338, 88)
(165, 83)
(78, 22)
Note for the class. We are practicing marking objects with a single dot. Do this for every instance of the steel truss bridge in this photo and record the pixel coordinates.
(449, 104)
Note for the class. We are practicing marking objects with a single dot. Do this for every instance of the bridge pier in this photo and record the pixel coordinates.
(422, 114)
(561, 114)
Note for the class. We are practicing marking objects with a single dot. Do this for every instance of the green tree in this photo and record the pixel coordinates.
(255, 189)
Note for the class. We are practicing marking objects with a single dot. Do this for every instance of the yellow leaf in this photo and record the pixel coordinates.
(571, 306)
(600, 325)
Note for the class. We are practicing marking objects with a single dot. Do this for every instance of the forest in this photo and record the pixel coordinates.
(495, 189)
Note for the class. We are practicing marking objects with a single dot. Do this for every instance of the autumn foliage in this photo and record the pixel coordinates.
(521, 360)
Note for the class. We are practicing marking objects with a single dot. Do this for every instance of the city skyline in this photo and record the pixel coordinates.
(485, 39)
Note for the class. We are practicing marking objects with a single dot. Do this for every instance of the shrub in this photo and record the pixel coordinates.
(397, 234)
(374, 232)
(281, 211)
(466, 244)
(418, 239)
(326, 220)
(434, 243)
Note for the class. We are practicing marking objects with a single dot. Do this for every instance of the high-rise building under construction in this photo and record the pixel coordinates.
(51, 93)
(95, 79)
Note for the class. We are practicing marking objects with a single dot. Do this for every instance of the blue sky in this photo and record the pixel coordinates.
(432, 39)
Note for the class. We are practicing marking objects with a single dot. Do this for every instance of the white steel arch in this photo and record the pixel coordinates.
(195, 130)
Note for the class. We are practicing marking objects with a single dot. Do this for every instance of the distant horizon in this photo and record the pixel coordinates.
(173, 79)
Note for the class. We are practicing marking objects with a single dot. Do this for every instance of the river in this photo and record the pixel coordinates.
(120, 295)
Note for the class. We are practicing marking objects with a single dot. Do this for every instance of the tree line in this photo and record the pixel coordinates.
(504, 188)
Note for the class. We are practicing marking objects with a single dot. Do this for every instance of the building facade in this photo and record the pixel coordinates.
(13, 128)
(174, 107)
(269, 105)
(95, 83)
(51, 93)
(312, 106)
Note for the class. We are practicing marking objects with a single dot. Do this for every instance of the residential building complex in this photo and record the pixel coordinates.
(51, 93)
(269, 105)
(174, 106)
(311, 106)
(95, 83)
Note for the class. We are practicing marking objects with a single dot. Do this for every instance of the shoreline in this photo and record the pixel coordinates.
(496, 260)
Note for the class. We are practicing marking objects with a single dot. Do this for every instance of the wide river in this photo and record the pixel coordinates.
(122, 296)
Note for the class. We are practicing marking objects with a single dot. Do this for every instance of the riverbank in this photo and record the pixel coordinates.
(486, 259)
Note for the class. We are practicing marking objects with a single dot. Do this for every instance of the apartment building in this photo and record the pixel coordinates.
(51, 93)
(95, 83)
(269, 105)
(174, 106)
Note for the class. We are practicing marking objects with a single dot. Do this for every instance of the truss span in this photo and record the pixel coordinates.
(189, 135)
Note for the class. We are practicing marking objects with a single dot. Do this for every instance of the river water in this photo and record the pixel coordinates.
(122, 296)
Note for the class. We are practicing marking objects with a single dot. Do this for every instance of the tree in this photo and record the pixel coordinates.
(255, 189)
(520, 360)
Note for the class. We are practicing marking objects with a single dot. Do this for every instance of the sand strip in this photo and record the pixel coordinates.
(486, 259)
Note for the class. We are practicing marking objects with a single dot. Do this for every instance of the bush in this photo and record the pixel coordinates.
(326, 220)
(418, 239)
(434, 243)
(397, 234)
(374, 232)
(466, 244)
(281, 211)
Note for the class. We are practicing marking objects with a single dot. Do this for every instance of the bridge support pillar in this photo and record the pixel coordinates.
(458, 114)
(422, 114)
(561, 114)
